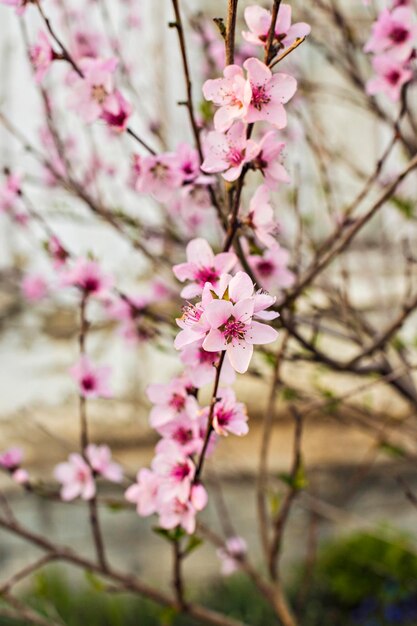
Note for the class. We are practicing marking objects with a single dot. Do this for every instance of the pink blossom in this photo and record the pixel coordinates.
(185, 431)
(390, 78)
(268, 160)
(231, 93)
(233, 552)
(269, 93)
(10, 193)
(202, 266)
(144, 493)
(200, 365)
(76, 478)
(158, 175)
(41, 55)
(229, 152)
(20, 5)
(116, 111)
(85, 43)
(271, 268)
(57, 252)
(99, 458)
(11, 458)
(234, 330)
(258, 20)
(229, 416)
(178, 513)
(188, 162)
(20, 476)
(87, 276)
(176, 469)
(394, 31)
(92, 380)
(171, 400)
(34, 287)
(261, 216)
(91, 92)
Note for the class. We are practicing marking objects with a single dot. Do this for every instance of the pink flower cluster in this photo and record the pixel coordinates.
(11, 461)
(78, 475)
(392, 43)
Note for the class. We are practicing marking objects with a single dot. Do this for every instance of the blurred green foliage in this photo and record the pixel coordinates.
(360, 580)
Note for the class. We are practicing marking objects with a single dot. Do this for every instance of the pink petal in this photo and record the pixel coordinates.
(260, 334)
(218, 312)
(239, 354)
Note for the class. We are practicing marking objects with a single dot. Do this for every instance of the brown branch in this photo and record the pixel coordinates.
(269, 49)
(230, 31)
(126, 581)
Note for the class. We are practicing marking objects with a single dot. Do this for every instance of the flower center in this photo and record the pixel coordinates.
(265, 268)
(398, 34)
(224, 417)
(259, 96)
(233, 329)
(393, 77)
(183, 435)
(88, 382)
(234, 157)
(180, 471)
(206, 357)
(160, 171)
(90, 284)
(191, 314)
(177, 402)
(207, 275)
(98, 93)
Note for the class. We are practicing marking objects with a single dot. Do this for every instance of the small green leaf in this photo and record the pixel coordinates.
(94, 582)
(194, 542)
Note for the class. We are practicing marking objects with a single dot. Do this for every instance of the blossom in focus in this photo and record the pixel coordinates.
(99, 458)
(269, 93)
(231, 93)
(258, 21)
(92, 380)
(34, 287)
(76, 478)
(202, 266)
(41, 55)
(232, 329)
(228, 153)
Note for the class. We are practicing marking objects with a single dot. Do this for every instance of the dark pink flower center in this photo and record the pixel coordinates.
(259, 96)
(117, 120)
(233, 329)
(207, 275)
(235, 157)
(206, 357)
(90, 284)
(81, 475)
(88, 382)
(224, 416)
(177, 402)
(183, 435)
(393, 77)
(187, 168)
(265, 268)
(398, 34)
(180, 471)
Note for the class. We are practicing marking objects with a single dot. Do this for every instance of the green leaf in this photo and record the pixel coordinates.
(194, 542)
(93, 580)
(392, 450)
(172, 536)
(405, 206)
